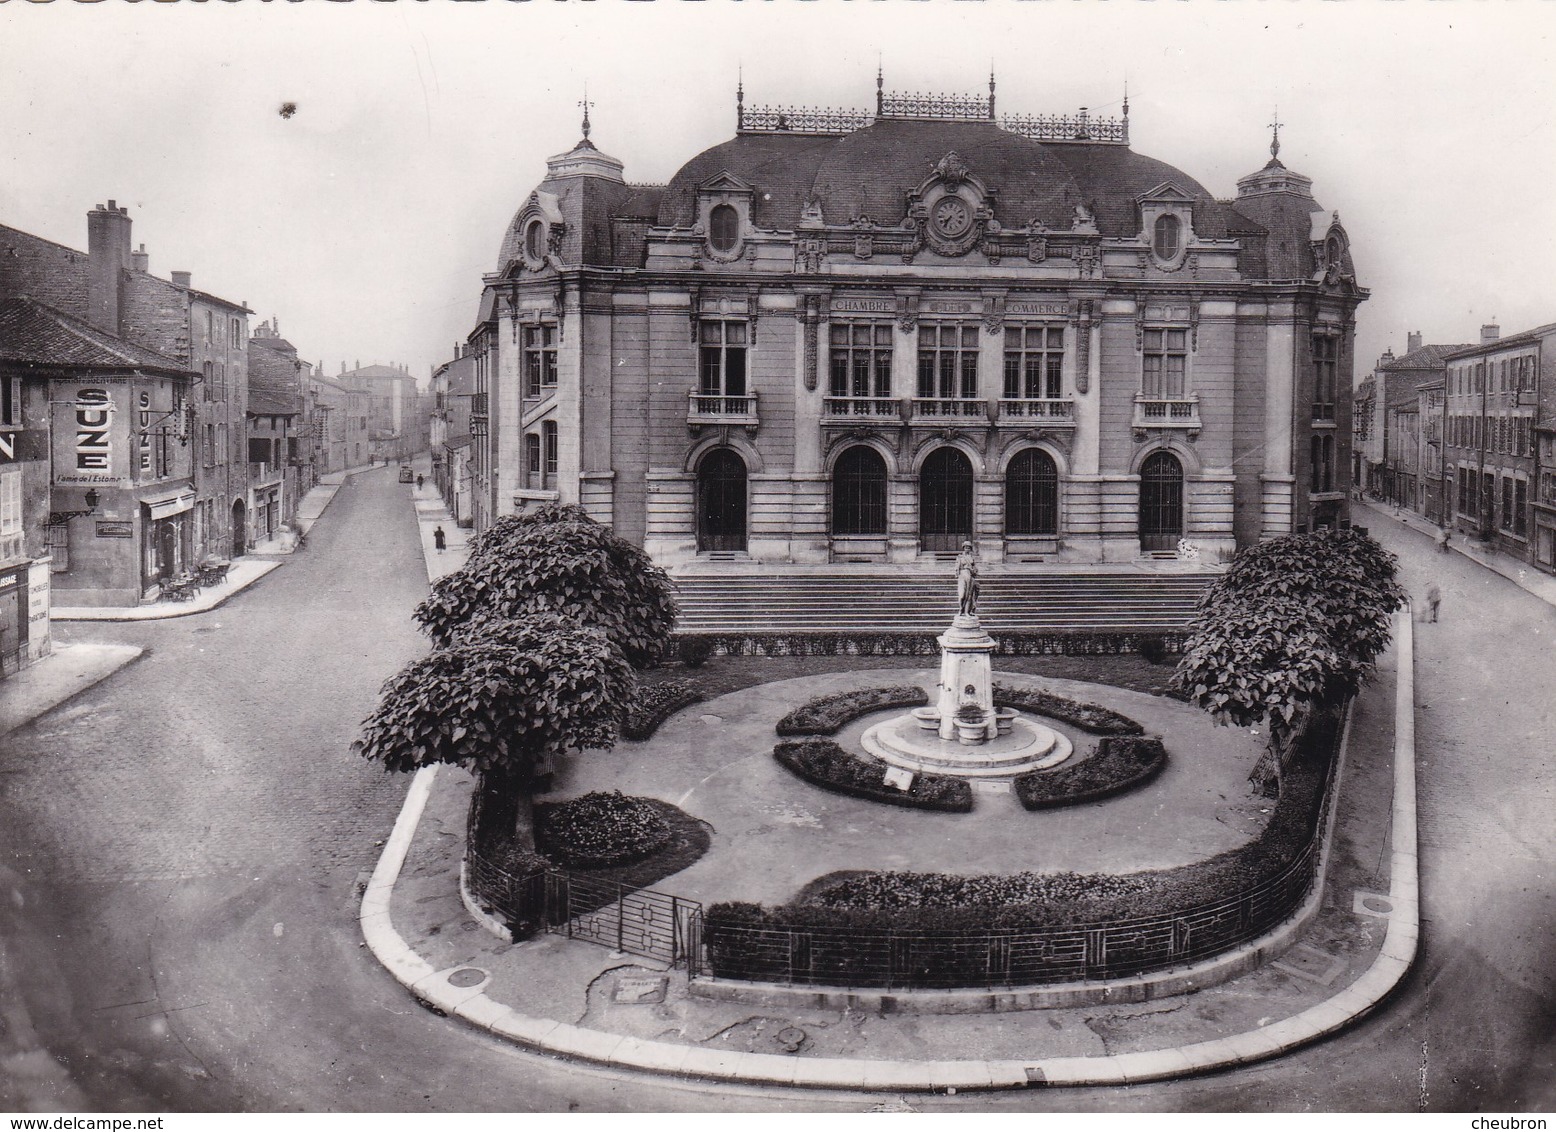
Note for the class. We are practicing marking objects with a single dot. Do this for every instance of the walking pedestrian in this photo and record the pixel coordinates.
(418, 483)
(1442, 540)
(439, 540)
(1434, 597)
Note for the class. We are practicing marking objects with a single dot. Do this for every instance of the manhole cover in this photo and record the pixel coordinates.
(790, 1039)
(467, 977)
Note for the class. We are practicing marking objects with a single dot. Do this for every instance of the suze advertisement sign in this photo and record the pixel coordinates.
(90, 433)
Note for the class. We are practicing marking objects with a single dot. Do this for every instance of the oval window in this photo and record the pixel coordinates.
(534, 240)
(723, 227)
(1166, 241)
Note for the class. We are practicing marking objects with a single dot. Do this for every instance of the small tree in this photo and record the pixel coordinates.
(1295, 623)
(557, 560)
(502, 699)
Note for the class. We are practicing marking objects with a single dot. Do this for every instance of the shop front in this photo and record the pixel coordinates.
(167, 535)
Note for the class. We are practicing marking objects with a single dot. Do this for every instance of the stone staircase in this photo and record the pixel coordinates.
(909, 603)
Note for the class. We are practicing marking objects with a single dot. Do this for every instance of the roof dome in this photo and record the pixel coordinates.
(871, 171)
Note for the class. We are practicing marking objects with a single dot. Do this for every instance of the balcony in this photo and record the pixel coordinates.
(1048, 412)
(860, 410)
(959, 410)
(478, 404)
(722, 409)
(1166, 412)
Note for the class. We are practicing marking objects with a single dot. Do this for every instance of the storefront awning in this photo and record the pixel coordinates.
(168, 503)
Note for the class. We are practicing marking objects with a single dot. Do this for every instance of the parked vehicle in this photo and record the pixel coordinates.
(406, 474)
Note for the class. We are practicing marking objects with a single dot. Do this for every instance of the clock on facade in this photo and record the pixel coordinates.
(952, 217)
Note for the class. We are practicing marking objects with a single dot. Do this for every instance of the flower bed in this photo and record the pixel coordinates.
(656, 703)
(1121, 763)
(936, 930)
(826, 715)
(600, 829)
(1092, 718)
(824, 763)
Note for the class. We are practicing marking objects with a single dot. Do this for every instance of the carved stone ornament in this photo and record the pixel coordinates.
(951, 170)
(907, 313)
(810, 254)
(696, 312)
(1083, 346)
(864, 246)
(810, 318)
(994, 314)
(1037, 248)
(811, 213)
(1086, 260)
(1084, 222)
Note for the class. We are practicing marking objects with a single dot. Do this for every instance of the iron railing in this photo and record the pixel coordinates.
(801, 120)
(1023, 409)
(875, 408)
(1080, 127)
(996, 957)
(638, 921)
(938, 407)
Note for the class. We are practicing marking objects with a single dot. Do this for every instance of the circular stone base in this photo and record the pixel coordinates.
(1029, 746)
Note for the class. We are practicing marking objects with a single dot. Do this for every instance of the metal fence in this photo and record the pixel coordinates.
(997, 957)
(638, 921)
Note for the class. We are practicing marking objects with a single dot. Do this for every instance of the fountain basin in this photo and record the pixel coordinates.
(1028, 745)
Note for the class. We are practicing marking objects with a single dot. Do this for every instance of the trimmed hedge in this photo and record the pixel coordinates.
(1051, 642)
(1121, 763)
(851, 920)
(654, 704)
(825, 764)
(599, 830)
(826, 715)
(1091, 718)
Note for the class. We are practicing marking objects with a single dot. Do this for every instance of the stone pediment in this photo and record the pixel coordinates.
(726, 182)
(1167, 192)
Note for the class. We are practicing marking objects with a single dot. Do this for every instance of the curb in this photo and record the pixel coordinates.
(544, 1035)
(135, 614)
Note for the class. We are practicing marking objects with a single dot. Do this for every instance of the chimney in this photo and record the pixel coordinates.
(180, 279)
(1489, 332)
(1413, 342)
(140, 260)
(108, 255)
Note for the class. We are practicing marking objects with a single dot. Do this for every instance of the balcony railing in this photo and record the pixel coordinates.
(478, 404)
(721, 409)
(1058, 411)
(952, 408)
(1166, 412)
(861, 409)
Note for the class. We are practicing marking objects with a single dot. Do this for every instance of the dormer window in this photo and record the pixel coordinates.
(1167, 237)
(723, 227)
(535, 240)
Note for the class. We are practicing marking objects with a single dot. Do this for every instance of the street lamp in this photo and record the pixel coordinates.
(60, 518)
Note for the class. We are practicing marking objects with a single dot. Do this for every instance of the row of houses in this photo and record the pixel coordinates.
(1464, 434)
(145, 427)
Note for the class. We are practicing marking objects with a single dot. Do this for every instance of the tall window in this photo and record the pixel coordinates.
(723, 227)
(1034, 361)
(1166, 362)
(548, 433)
(861, 359)
(1323, 463)
(1032, 494)
(532, 458)
(1326, 354)
(1520, 505)
(721, 367)
(1166, 237)
(947, 360)
(1507, 503)
(10, 514)
(859, 493)
(208, 374)
(10, 400)
(539, 359)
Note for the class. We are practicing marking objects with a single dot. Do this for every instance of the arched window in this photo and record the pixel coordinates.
(721, 501)
(534, 240)
(859, 493)
(945, 501)
(1166, 237)
(1032, 494)
(1161, 502)
(723, 227)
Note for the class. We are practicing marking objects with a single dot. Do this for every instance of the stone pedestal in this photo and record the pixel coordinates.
(966, 674)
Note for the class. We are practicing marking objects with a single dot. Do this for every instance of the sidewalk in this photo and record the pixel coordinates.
(1521, 574)
(578, 999)
(47, 683)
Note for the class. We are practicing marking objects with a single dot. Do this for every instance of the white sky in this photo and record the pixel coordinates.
(365, 221)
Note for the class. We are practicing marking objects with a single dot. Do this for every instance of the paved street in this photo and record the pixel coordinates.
(181, 847)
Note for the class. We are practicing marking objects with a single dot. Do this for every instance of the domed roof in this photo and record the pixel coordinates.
(870, 171)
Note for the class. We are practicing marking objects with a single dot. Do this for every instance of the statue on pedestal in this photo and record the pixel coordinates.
(967, 581)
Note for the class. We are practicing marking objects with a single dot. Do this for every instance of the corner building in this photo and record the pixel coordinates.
(845, 337)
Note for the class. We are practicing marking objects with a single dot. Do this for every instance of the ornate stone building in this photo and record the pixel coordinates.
(869, 337)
